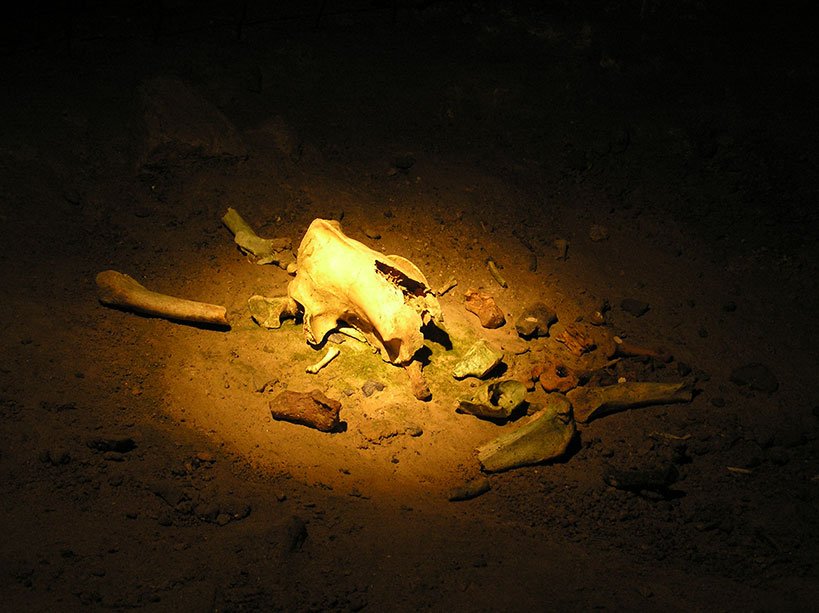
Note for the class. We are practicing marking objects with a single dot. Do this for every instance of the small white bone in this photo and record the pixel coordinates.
(332, 353)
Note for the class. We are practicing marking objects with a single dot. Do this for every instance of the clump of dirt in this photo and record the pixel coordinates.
(646, 175)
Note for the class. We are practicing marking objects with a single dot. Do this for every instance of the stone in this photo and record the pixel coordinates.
(469, 490)
(372, 386)
(635, 307)
(312, 409)
(496, 400)
(483, 305)
(535, 321)
(756, 376)
(479, 360)
(542, 437)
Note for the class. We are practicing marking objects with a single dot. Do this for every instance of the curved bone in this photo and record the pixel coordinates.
(342, 280)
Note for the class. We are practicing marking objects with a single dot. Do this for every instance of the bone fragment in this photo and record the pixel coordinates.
(493, 269)
(332, 353)
(418, 382)
(270, 312)
(495, 401)
(627, 349)
(543, 436)
(261, 250)
(446, 286)
(120, 290)
(588, 401)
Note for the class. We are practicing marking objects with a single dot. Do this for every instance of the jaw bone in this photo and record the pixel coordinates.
(385, 297)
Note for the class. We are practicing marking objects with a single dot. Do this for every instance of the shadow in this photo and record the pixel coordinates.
(193, 324)
(437, 335)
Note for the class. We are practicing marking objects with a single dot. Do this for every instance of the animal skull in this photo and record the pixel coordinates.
(385, 297)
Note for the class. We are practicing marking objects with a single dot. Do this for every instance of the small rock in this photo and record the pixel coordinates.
(483, 305)
(116, 444)
(638, 308)
(718, 401)
(756, 376)
(471, 489)
(312, 409)
(372, 233)
(535, 321)
(478, 361)
(372, 386)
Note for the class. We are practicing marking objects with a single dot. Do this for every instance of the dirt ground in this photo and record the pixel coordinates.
(673, 148)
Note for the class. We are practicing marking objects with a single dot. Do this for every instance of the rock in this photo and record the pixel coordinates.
(535, 321)
(312, 409)
(469, 490)
(483, 305)
(117, 444)
(756, 376)
(478, 361)
(372, 386)
(655, 479)
(635, 307)
(295, 533)
(543, 436)
(496, 400)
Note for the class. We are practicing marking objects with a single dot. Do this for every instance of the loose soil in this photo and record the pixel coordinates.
(675, 152)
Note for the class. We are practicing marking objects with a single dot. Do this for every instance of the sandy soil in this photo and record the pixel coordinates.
(675, 153)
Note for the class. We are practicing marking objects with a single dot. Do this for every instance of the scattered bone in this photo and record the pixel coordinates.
(418, 383)
(259, 250)
(270, 312)
(483, 305)
(331, 354)
(342, 280)
(478, 361)
(576, 340)
(120, 290)
(352, 333)
(555, 376)
(496, 400)
(589, 401)
(562, 247)
(535, 321)
(493, 270)
(626, 349)
(446, 286)
(312, 409)
(543, 436)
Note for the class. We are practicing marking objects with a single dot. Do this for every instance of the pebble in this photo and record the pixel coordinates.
(371, 386)
(635, 307)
